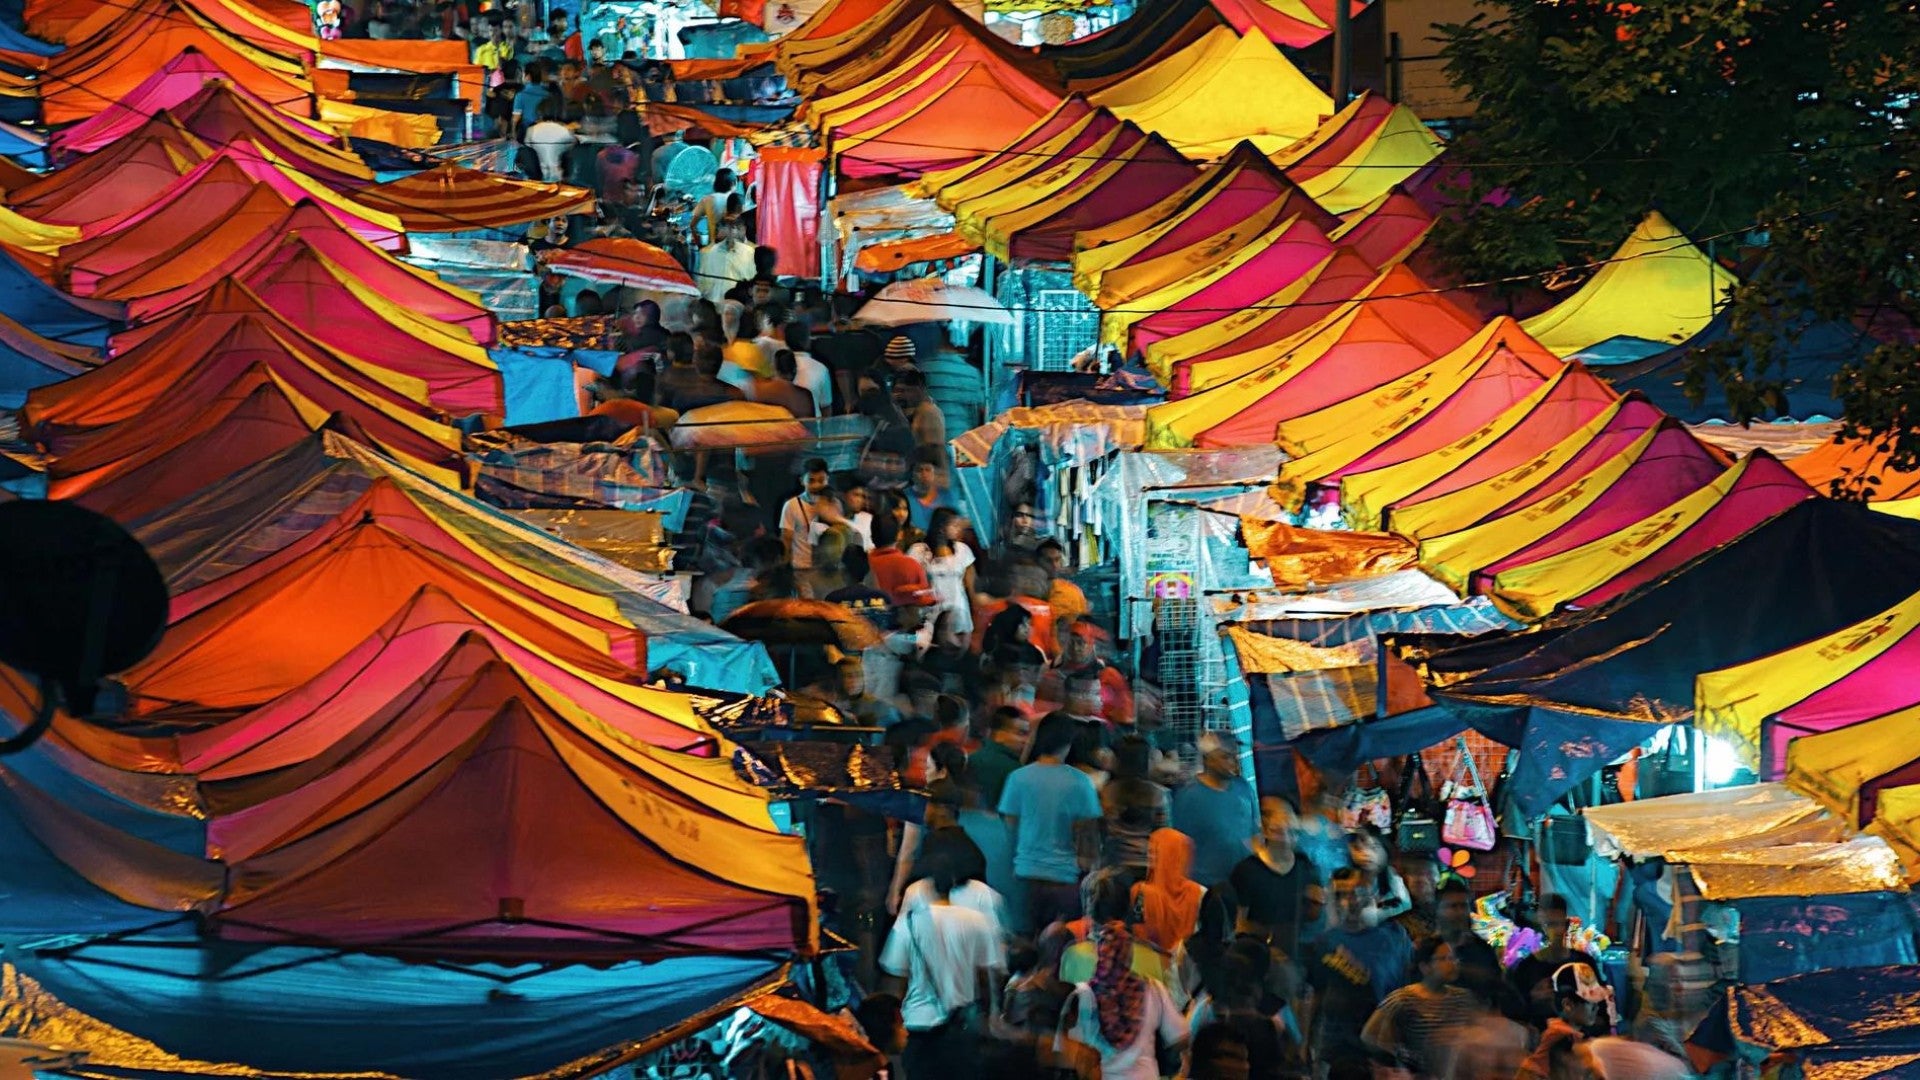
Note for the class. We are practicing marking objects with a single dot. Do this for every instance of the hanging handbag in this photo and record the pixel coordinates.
(1416, 832)
(1469, 817)
(1366, 805)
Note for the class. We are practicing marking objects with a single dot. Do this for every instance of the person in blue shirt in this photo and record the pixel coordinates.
(1051, 810)
(1218, 811)
(526, 104)
(1352, 967)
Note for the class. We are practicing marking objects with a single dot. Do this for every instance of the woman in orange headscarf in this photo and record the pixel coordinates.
(1168, 902)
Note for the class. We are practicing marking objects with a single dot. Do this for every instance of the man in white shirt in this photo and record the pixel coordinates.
(550, 140)
(727, 263)
(809, 374)
(953, 959)
(800, 516)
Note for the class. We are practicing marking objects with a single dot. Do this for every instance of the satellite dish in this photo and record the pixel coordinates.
(80, 599)
(690, 173)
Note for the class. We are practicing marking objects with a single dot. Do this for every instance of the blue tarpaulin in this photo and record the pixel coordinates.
(1793, 935)
(51, 313)
(315, 1010)
(1810, 355)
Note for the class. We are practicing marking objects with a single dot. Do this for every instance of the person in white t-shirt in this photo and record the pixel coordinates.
(800, 523)
(809, 374)
(953, 959)
(550, 140)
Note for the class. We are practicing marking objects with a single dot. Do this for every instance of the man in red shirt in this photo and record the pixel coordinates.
(896, 573)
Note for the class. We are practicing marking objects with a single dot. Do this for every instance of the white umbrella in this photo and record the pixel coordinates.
(932, 300)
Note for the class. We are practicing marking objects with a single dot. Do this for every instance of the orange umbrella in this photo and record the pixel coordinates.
(624, 261)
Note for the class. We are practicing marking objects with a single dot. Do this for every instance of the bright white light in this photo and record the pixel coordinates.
(1720, 761)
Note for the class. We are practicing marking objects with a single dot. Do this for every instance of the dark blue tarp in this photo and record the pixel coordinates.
(51, 313)
(1813, 353)
(313, 1010)
(24, 147)
(1343, 749)
(1846, 1013)
(1607, 681)
(1793, 935)
(15, 40)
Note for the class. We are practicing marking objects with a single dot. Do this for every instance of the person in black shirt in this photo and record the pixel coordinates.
(1271, 884)
(866, 601)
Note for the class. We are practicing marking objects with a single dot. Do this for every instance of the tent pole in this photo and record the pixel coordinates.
(1342, 54)
(987, 335)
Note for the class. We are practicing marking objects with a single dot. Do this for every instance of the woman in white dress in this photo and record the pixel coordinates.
(949, 562)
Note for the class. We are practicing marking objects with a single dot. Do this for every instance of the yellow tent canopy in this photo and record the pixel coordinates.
(1326, 440)
(1658, 286)
(1459, 509)
(1836, 766)
(1216, 336)
(1453, 557)
(1733, 702)
(1534, 590)
(1218, 91)
(1399, 145)
(1124, 285)
(1291, 230)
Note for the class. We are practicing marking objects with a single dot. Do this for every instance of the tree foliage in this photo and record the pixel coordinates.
(1791, 124)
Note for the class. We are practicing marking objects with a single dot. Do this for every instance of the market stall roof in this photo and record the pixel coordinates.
(1751, 490)
(1221, 90)
(1853, 463)
(326, 302)
(88, 78)
(1269, 271)
(1220, 210)
(1569, 459)
(1848, 768)
(1272, 317)
(229, 330)
(196, 542)
(222, 113)
(1422, 412)
(1148, 37)
(1386, 230)
(1674, 466)
(118, 178)
(1619, 673)
(173, 83)
(167, 228)
(1069, 128)
(1360, 153)
(454, 198)
(181, 446)
(1529, 427)
(277, 747)
(1361, 349)
(28, 360)
(241, 640)
(1657, 287)
(1651, 828)
(1851, 675)
(239, 250)
(951, 113)
(58, 316)
(1044, 231)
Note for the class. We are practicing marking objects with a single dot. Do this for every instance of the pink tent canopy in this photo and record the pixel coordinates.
(1343, 276)
(1766, 489)
(172, 83)
(1545, 426)
(1505, 378)
(1386, 339)
(1299, 248)
(1152, 173)
(1672, 467)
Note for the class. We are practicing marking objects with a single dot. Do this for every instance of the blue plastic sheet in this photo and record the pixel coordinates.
(1793, 935)
(314, 1010)
(51, 313)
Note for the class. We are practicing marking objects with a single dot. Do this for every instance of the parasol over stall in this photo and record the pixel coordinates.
(633, 263)
(932, 300)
